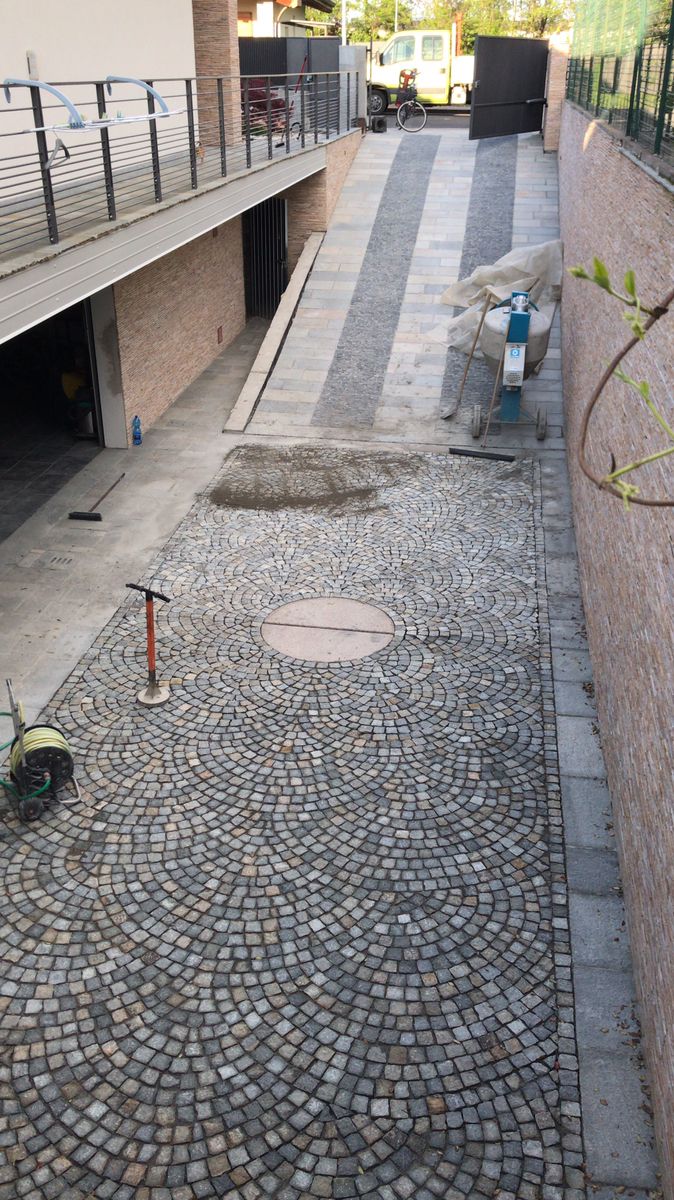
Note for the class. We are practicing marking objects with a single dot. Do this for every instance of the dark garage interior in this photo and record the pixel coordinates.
(50, 418)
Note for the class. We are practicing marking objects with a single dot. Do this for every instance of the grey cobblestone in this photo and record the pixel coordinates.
(301, 938)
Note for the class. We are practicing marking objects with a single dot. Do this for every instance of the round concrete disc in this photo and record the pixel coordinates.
(328, 629)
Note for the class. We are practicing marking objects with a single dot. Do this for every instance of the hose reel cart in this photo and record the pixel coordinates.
(41, 765)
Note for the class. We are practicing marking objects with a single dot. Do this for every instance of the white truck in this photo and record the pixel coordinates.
(443, 77)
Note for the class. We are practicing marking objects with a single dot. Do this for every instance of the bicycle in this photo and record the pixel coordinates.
(411, 116)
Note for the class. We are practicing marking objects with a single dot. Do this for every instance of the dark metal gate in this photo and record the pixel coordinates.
(509, 90)
(265, 256)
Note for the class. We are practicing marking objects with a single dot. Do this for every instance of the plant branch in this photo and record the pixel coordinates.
(604, 484)
(641, 462)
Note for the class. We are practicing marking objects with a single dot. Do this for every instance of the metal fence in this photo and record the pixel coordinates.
(75, 157)
(622, 69)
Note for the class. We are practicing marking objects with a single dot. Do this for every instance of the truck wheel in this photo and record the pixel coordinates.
(378, 102)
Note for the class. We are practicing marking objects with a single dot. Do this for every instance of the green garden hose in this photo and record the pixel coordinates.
(10, 787)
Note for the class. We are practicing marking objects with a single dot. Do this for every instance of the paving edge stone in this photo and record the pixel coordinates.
(275, 336)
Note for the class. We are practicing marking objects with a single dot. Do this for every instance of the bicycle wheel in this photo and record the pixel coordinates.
(411, 116)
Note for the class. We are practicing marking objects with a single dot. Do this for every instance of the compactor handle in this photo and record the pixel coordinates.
(148, 593)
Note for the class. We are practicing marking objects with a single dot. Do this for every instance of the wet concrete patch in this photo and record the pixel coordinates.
(271, 479)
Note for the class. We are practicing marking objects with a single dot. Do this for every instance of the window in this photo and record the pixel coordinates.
(401, 50)
(431, 48)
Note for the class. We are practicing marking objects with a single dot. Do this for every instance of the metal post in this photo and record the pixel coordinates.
(590, 83)
(191, 133)
(270, 142)
(286, 101)
(632, 127)
(348, 100)
(302, 139)
(154, 147)
(667, 70)
(47, 189)
(246, 118)
(328, 105)
(600, 82)
(105, 151)
(221, 124)
(339, 102)
(315, 108)
(358, 112)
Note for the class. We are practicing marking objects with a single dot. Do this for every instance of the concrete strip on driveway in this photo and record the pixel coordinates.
(274, 338)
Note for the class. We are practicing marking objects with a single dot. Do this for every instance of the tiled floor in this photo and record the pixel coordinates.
(34, 465)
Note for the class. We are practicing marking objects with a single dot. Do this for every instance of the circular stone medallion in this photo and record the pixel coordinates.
(328, 629)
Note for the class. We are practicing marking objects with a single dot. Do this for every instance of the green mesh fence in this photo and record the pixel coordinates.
(622, 68)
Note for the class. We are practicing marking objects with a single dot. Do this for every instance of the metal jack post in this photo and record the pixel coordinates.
(511, 371)
(514, 358)
(154, 693)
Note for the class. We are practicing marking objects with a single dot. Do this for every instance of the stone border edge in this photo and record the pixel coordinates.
(274, 338)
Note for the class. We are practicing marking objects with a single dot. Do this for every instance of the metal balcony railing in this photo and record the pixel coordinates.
(77, 157)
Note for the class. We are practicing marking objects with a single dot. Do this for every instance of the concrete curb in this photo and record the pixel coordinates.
(274, 338)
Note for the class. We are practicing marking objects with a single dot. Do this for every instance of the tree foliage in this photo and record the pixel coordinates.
(376, 19)
(492, 18)
(539, 18)
(330, 20)
(496, 18)
(438, 14)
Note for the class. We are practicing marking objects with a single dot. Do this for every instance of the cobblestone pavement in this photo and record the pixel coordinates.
(307, 934)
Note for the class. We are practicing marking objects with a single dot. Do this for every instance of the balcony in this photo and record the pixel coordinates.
(81, 158)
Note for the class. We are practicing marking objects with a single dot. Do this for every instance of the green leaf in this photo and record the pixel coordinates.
(641, 386)
(601, 277)
(627, 491)
(630, 285)
(579, 272)
(636, 324)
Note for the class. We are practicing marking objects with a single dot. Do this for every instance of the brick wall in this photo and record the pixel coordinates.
(312, 202)
(555, 88)
(611, 207)
(168, 315)
(216, 52)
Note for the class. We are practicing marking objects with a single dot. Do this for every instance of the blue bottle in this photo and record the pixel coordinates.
(137, 435)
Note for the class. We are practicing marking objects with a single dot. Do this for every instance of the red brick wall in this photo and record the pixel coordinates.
(168, 315)
(312, 202)
(611, 207)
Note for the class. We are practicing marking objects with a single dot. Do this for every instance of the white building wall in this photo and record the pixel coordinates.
(147, 39)
(95, 38)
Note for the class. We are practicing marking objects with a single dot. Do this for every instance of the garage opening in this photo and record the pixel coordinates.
(265, 256)
(50, 412)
